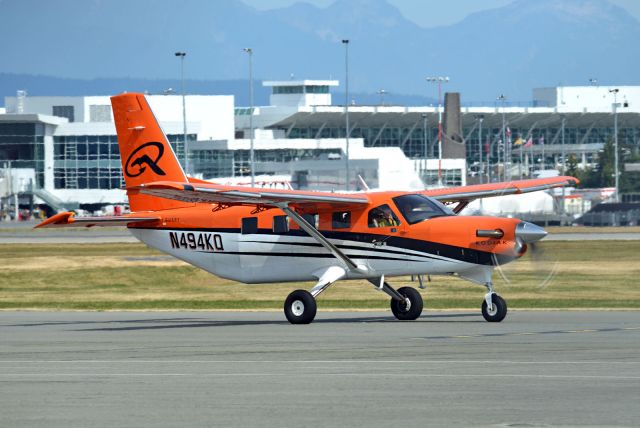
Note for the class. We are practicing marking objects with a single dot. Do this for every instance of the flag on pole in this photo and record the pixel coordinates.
(541, 140)
(529, 143)
(508, 132)
(518, 141)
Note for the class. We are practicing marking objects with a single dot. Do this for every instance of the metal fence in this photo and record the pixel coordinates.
(617, 218)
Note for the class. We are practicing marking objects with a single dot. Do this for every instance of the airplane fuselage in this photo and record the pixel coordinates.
(219, 242)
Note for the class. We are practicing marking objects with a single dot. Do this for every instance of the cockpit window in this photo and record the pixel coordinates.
(382, 216)
(417, 208)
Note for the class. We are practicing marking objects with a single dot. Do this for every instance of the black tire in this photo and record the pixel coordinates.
(300, 307)
(405, 312)
(499, 309)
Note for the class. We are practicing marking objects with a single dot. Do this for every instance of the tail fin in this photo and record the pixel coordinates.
(145, 153)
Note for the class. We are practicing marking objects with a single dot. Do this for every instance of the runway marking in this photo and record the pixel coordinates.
(531, 333)
(349, 361)
(395, 375)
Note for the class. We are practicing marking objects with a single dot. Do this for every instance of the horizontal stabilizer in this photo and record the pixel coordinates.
(68, 219)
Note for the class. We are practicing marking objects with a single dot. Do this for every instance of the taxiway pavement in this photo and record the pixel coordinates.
(364, 369)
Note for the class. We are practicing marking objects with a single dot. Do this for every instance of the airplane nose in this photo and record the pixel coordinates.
(529, 232)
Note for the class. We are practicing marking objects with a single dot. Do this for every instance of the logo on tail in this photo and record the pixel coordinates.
(135, 167)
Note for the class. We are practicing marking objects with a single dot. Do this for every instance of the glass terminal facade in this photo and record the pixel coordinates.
(23, 145)
(413, 144)
(235, 163)
(93, 161)
(301, 89)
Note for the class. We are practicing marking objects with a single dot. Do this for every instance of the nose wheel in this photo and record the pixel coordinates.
(496, 311)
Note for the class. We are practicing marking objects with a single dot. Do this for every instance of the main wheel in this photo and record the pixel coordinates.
(300, 307)
(498, 309)
(411, 308)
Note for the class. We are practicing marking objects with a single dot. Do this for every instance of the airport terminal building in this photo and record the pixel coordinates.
(64, 150)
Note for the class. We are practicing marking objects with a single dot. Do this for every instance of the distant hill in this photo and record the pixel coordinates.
(56, 86)
(507, 50)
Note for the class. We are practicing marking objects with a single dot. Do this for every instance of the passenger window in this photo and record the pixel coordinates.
(382, 216)
(312, 219)
(341, 220)
(280, 224)
(249, 225)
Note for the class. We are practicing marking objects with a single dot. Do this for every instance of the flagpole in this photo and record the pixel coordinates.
(542, 162)
(504, 141)
(520, 169)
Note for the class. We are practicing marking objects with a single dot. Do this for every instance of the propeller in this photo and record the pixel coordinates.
(543, 263)
(528, 236)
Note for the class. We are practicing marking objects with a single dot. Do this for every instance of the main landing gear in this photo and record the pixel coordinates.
(410, 308)
(300, 307)
(406, 303)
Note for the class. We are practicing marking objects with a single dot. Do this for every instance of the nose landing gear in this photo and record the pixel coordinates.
(494, 307)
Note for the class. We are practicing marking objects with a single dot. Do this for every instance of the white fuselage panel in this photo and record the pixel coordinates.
(262, 258)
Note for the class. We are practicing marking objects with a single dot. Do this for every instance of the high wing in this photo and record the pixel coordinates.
(233, 195)
(465, 194)
(68, 219)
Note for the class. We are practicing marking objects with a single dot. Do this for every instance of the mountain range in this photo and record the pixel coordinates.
(508, 50)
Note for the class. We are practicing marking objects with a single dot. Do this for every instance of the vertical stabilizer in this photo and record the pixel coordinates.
(145, 152)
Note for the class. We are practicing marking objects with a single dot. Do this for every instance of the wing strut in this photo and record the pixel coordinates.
(314, 233)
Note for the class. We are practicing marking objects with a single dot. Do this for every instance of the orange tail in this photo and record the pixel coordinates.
(145, 153)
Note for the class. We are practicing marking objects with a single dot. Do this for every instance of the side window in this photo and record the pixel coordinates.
(312, 219)
(249, 225)
(341, 220)
(382, 216)
(280, 224)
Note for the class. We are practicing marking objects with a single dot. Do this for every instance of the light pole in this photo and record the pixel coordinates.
(345, 42)
(439, 80)
(615, 140)
(424, 137)
(504, 140)
(563, 167)
(562, 152)
(251, 153)
(184, 113)
(480, 165)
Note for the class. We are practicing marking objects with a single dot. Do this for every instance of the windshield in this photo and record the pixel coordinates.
(417, 208)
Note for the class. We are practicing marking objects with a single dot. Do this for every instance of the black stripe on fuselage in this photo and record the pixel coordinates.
(427, 248)
(377, 249)
(308, 255)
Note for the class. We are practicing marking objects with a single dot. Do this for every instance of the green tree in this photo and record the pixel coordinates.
(605, 169)
(572, 166)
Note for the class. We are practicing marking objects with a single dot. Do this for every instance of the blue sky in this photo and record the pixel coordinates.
(432, 13)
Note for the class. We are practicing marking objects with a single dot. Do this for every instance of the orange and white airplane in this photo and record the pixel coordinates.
(255, 235)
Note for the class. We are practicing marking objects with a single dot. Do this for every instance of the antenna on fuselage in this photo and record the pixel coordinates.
(364, 183)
